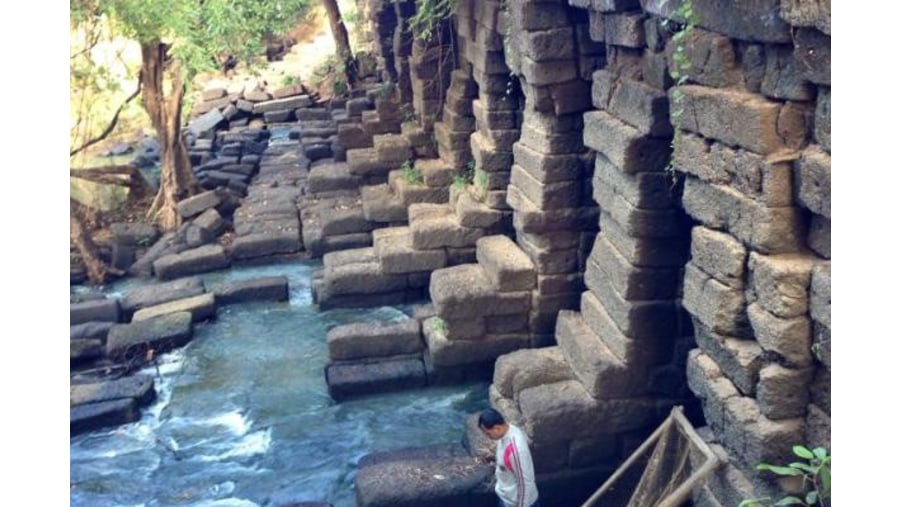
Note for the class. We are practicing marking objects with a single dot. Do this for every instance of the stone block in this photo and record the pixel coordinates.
(363, 340)
(783, 393)
(548, 72)
(624, 29)
(818, 428)
(190, 262)
(812, 13)
(290, 103)
(138, 387)
(506, 266)
(636, 354)
(781, 283)
(813, 181)
(354, 379)
(738, 21)
(790, 338)
(543, 45)
(522, 369)
(711, 58)
(820, 294)
(532, 219)
(103, 310)
(530, 16)
(546, 196)
(506, 324)
(819, 238)
(465, 291)
(624, 145)
(361, 278)
(268, 288)
(784, 77)
(716, 305)
(740, 360)
(638, 222)
(197, 204)
(550, 143)
(640, 106)
(394, 248)
(566, 411)
(822, 122)
(201, 307)
(263, 244)
(158, 293)
(766, 229)
(599, 370)
(365, 162)
(740, 118)
(645, 252)
(134, 234)
(443, 352)
(91, 416)
(434, 232)
(472, 213)
(645, 190)
(719, 255)
(812, 49)
(548, 260)
(129, 341)
(633, 283)
(547, 168)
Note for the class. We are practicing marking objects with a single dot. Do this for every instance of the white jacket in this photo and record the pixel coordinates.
(515, 470)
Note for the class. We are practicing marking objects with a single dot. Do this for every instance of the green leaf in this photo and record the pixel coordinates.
(812, 497)
(803, 466)
(825, 479)
(789, 500)
(779, 470)
(820, 453)
(803, 452)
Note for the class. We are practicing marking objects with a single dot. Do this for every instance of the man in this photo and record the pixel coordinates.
(514, 470)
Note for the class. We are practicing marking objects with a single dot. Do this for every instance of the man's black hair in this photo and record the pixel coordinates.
(490, 418)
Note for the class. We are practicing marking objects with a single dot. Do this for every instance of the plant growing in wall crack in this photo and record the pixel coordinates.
(815, 472)
(412, 174)
(429, 14)
(680, 67)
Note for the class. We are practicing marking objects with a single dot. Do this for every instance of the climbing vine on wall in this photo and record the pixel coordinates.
(680, 65)
(429, 15)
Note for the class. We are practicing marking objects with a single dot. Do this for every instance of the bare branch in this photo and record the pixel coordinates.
(109, 128)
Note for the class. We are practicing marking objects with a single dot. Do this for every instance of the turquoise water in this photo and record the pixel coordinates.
(244, 416)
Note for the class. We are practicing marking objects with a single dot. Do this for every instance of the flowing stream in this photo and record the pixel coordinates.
(244, 418)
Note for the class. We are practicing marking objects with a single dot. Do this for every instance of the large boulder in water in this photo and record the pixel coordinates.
(129, 341)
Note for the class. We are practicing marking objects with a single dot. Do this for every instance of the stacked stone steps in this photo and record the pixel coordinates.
(354, 279)
(365, 359)
(334, 223)
(452, 132)
(388, 203)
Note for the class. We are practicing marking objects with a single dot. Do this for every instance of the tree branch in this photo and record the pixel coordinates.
(109, 128)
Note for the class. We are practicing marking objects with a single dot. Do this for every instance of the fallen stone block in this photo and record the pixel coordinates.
(197, 204)
(158, 293)
(137, 387)
(269, 288)
(129, 341)
(90, 330)
(361, 378)
(265, 244)
(91, 416)
(363, 340)
(191, 262)
(103, 310)
(201, 307)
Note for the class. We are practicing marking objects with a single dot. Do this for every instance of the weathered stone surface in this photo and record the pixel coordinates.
(445, 476)
(820, 294)
(640, 320)
(443, 352)
(632, 282)
(268, 288)
(740, 118)
(784, 76)
(548, 72)
(642, 107)
(599, 370)
(740, 360)
(392, 148)
(711, 58)
(716, 305)
(396, 253)
(194, 205)
(769, 182)
(548, 260)
(473, 328)
(813, 181)
(822, 125)
(207, 123)
(818, 428)
(789, 338)
(441, 230)
(465, 291)
(739, 20)
(530, 218)
(624, 145)
(190, 262)
(126, 341)
(547, 168)
(355, 379)
(719, 255)
(290, 103)
(139, 387)
(134, 233)
(782, 392)
(814, 13)
(92, 416)
(472, 213)
(85, 349)
(646, 190)
(637, 222)
(566, 411)
(546, 196)
(543, 45)
(506, 266)
(361, 278)
(93, 330)
(781, 283)
(158, 293)
(819, 238)
(645, 252)
(634, 354)
(812, 49)
(266, 243)
(522, 369)
(201, 307)
(105, 310)
(624, 29)
(766, 229)
(550, 142)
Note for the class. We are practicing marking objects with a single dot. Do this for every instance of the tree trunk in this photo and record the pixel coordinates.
(176, 178)
(81, 238)
(341, 40)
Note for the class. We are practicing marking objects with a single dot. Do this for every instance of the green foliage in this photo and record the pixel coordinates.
(429, 14)
(815, 471)
(466, 177)
(481, 180)
(680, 65)
(412, 174)
(438, 324)
(387, 90)
(288, 80)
